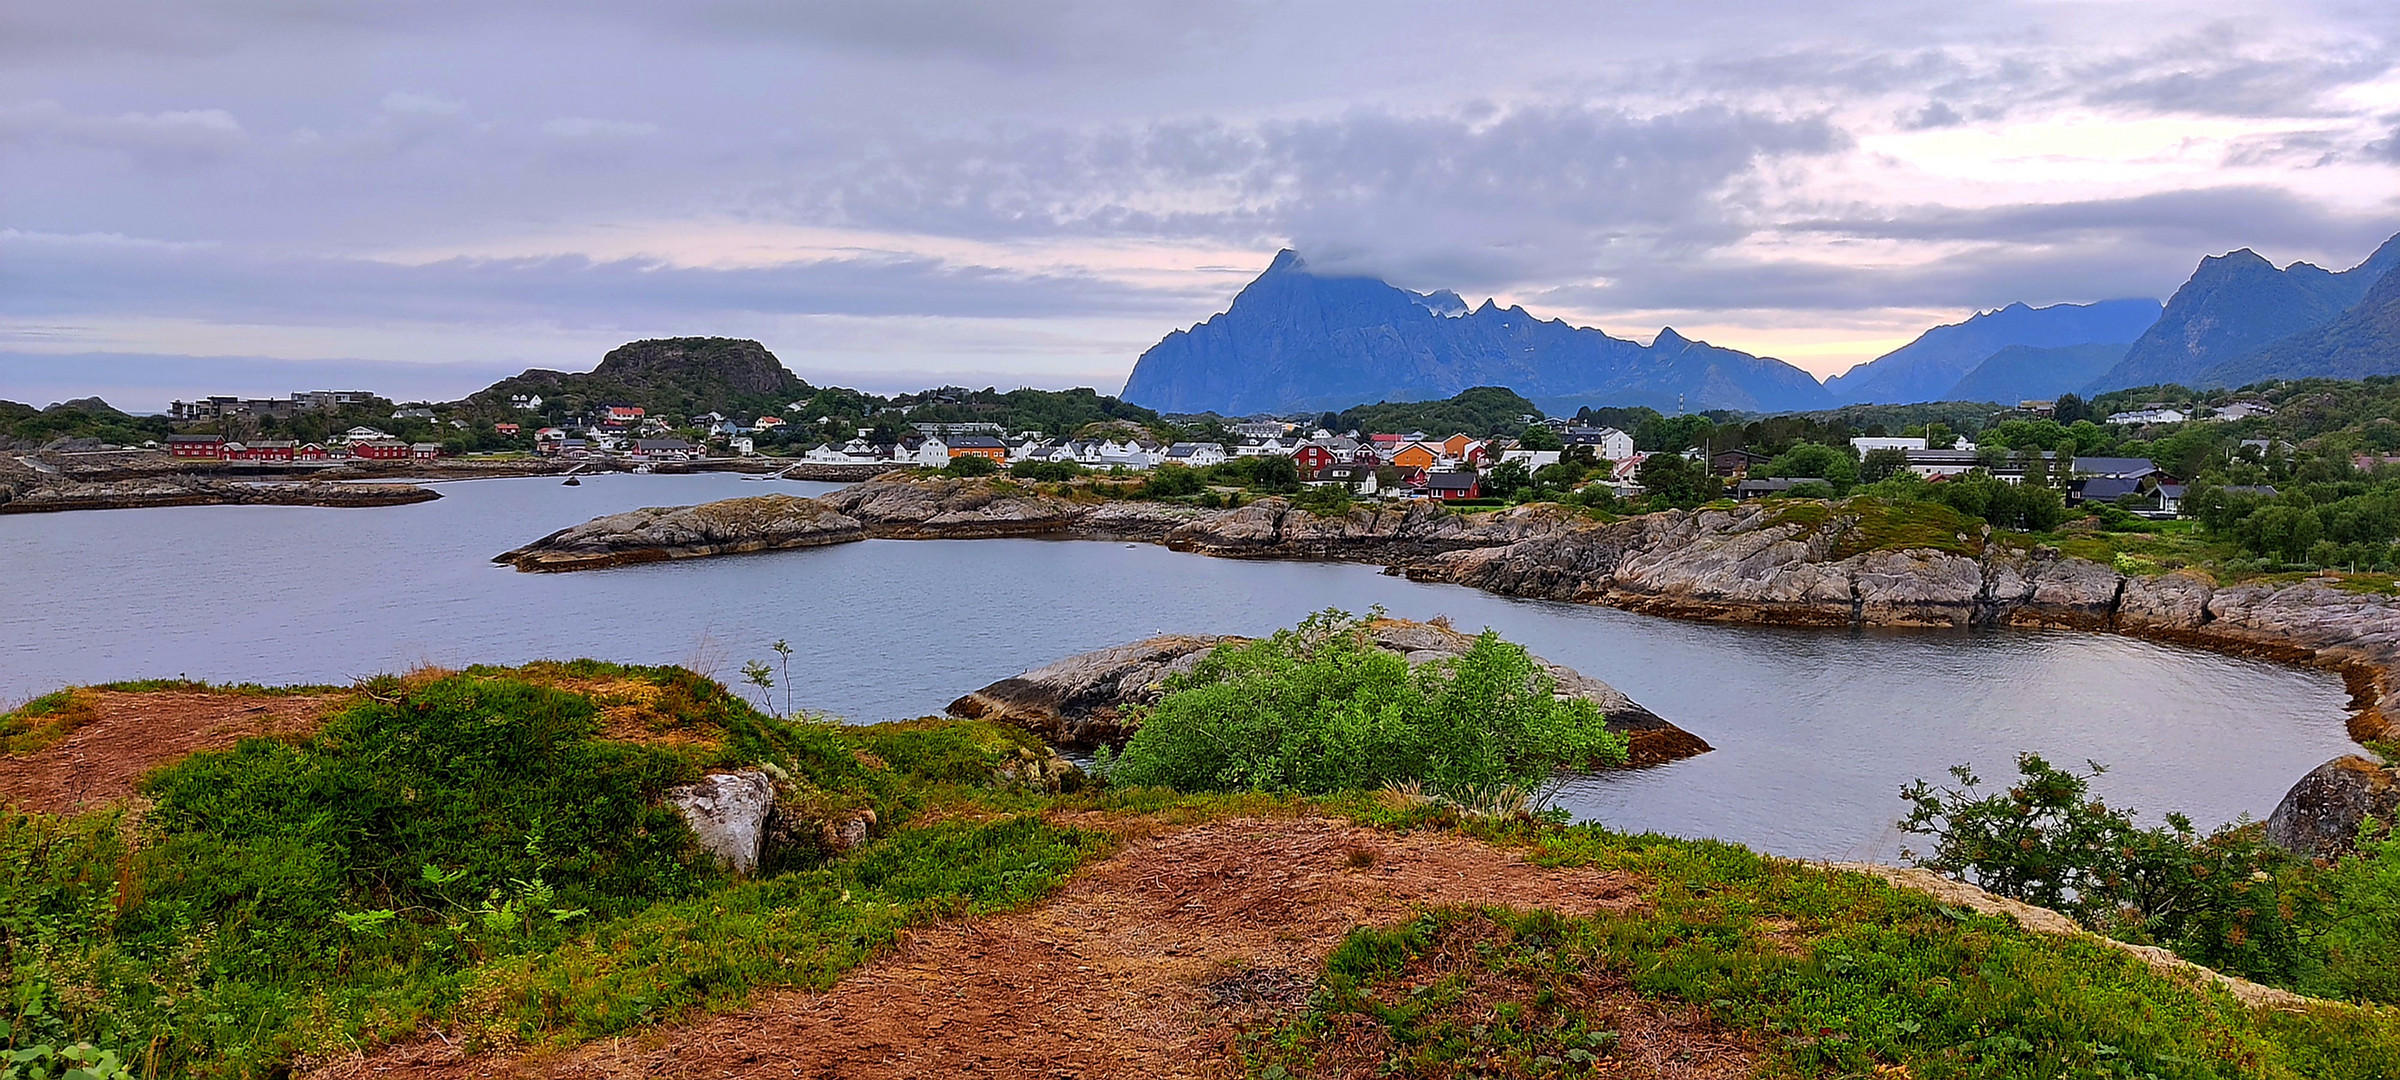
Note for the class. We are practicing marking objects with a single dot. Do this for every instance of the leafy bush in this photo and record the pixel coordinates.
(971, 465)
(1170, 480)
(1319, 708)
(1046, 471)
(2228, 900)
(2362, 932)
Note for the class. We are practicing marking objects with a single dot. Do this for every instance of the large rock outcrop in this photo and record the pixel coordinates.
(1081, 702)
(756, 523)
(2320, 816)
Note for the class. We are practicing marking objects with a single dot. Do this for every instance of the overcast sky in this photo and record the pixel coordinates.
(260, 196)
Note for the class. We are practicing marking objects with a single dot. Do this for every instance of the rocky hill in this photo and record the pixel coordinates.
(2236, 304)
(677, 376)
(1296, 340)
(2362, 341)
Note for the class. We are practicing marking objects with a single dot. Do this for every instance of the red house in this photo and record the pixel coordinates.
(1453, 485)
(209, 447)
(380, 450)
(1312, 457)
(310, 452)
(620, 417)
(262, 450)
(506, 429)
(425, 451)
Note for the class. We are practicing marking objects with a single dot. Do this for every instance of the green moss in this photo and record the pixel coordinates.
(42, 722)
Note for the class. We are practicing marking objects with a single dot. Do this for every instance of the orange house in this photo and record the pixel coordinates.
(1457, 446)
(982, 446)
(1416, 455)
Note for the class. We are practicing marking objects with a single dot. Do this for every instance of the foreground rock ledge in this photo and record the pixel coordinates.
(1080, 702)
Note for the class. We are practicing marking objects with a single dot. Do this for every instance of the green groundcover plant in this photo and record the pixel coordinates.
(1318, 708)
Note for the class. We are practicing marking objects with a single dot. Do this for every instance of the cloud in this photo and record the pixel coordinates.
(577, 127)
(1935, 114)
(405, 103)
(174, 137)
(104, 276)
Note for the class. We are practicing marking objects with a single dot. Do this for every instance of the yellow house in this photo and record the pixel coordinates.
(1416, 455)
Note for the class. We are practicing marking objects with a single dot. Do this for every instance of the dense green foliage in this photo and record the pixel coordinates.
(2227, 899)
(1478, 411)
(1318, 708)
(484, 852)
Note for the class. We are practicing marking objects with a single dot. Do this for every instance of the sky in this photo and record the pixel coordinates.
(261, 196)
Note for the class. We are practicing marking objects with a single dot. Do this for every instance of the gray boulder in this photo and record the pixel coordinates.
(2320, 816)
(728, 813)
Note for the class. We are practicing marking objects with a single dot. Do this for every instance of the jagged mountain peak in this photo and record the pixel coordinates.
(1294, 341)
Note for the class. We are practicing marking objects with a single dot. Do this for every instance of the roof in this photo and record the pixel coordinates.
(2267, 490)
(1451, 481)
(2106, 488)
(661, 444)
(2115, 466)
(974, 442)
(195, 438)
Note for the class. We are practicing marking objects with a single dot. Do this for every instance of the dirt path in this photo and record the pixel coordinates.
(1143, 966)
(131, 734)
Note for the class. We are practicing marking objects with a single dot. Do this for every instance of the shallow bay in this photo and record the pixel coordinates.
(1815, 729)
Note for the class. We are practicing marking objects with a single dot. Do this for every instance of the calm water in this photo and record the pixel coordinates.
(1816, 730)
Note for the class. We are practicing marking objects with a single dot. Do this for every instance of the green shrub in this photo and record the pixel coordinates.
(1046, 471)
(1172, 480)
(971, 465)
(2229, 900)
(2362, 933)
(1319, 708)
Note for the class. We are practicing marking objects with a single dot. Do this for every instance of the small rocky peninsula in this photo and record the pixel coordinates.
(41, 495)
(1081, 702)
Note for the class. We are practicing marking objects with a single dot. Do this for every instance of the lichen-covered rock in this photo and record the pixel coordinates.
(2320, 816)
(953, 508)
(656, 534)
(1080, 702)
(728, 814)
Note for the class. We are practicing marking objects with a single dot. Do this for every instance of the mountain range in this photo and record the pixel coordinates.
(1294, 340)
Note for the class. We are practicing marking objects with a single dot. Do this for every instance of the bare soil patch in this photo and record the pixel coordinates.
(1146, 965)
(130, 734)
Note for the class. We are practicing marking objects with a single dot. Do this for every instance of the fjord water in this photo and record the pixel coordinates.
(1816, 730)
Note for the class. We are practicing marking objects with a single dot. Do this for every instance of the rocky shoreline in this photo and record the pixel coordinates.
(65, 495)
(1755, 563)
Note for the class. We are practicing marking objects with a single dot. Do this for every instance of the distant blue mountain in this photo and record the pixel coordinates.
(1931, 367)
(1293, 340)
(2236, 304)
(2024, 373)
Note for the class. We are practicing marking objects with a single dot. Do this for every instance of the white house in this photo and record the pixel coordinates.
(1869, 444)
(932, 452)
(1535, 459)
(1196, 454)
(2150, 416)
(1262, 447)
(1607, 443)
